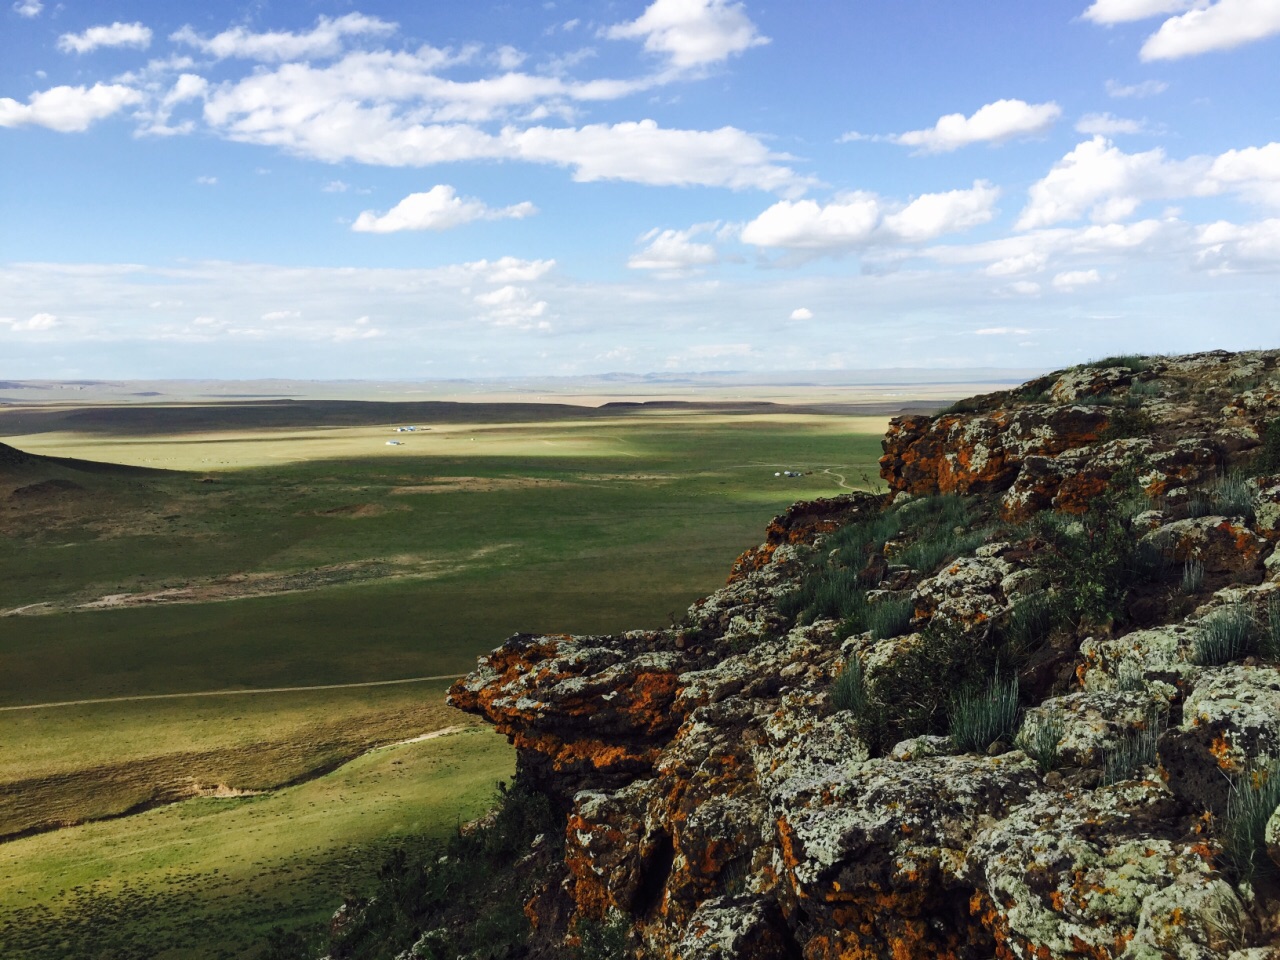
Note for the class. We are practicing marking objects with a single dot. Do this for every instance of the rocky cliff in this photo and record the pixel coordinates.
(1026, 704)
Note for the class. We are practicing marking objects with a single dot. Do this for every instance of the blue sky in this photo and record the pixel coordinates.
(429, 190)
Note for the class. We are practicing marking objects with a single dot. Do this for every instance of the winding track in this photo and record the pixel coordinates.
(839, 478)
(226, 693)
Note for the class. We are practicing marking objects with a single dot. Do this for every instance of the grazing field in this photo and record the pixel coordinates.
(283, 557)
(212, 877)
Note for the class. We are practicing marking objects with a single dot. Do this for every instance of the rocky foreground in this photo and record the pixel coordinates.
(1026, 704)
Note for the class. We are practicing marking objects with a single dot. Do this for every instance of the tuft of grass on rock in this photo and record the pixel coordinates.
(889, 618)
(1192, 576)
(1267, 459)
(979, 718)
(1044, 742)
(1030, 622)
(1254, 797)
(1226, 635)
(1133, 752)
(849, 691)
(1269, 642)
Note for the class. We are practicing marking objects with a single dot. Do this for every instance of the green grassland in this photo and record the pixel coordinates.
(213, 877)
(299, 557)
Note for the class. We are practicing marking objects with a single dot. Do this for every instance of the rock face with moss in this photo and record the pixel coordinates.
(1025, 706)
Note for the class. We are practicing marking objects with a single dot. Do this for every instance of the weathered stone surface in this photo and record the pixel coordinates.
(579, 708)
(978, 454)
(968, 592)
(745, 928)
(1267, 506)
(1089, 382)
(802, 523)
(1230, 718)
(1071, 876)
(1160, 655)
(1222, 544)
(1093, 723)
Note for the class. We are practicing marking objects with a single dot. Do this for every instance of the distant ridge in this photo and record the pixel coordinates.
(13, 460)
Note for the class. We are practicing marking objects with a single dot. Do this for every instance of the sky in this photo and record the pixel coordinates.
(377, 189)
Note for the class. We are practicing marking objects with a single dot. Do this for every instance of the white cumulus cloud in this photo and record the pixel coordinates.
(68, 109)
(1100, 180)
(115, 35)
(36, 323)
(1136, 91)
(513, 306)
(28, 8)
(1232, 248)
(863, 219)
(1225, 24)
(993, 123)
(801, 313)
(1107, 125)
(1071, 279)
(672, 251)
(692, 33)
(439, 208)
(325, 39)
(1126, 11)
(933, 214)
(510, 269)
(1029, 262)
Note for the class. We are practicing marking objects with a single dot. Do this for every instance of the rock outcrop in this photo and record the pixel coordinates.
(792, 772)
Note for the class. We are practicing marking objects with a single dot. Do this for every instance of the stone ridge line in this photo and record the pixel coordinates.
(227, 693)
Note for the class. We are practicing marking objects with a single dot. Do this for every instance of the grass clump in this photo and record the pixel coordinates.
(1124, 423)
(1229, 496)
(928, 554)
(829, 592)
(834, 585)
(1254, 797)
(1269, 644)
(1129, 678)
(1043, 743)
(1030, 622)
(849, 691)
(1192, 576)
(1267, 459)
(1227, 635)
(943, 528)
(1146, 388)
(889, 617)
(1133, 752)
(913, 695)
(963, 405)
(1096, 400)
(981, 717)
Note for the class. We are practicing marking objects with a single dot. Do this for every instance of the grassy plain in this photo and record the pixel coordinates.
(212, 877)
(295, 557)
